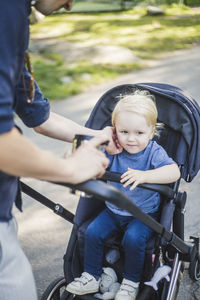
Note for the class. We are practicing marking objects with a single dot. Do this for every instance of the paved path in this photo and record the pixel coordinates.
(44, 235)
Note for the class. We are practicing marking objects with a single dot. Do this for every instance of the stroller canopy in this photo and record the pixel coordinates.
(176, 109)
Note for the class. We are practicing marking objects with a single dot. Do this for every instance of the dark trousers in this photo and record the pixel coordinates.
(135, 237)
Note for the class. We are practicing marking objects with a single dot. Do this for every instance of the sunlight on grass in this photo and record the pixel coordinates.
(178, 10)
(148, 37)
(95, 7)
(50, 75)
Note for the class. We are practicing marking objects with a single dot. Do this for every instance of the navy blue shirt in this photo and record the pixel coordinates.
(152, 157)
(14, 36)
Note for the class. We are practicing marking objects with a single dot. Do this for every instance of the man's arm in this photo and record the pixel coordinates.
(64, 129)
(19, 157)
(61, 128)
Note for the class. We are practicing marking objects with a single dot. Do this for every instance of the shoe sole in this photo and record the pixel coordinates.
(81, 293)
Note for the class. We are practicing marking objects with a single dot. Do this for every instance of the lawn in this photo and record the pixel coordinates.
(63, 46)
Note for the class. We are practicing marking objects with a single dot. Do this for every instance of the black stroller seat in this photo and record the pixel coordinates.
(177, 137)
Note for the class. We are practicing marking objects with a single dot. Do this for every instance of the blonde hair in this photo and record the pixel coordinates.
(140, 102)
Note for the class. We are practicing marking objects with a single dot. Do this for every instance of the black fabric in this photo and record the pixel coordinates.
(88, 207)
(18, 201)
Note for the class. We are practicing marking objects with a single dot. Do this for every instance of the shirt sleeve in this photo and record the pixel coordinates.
(31, 114)
(160, 158)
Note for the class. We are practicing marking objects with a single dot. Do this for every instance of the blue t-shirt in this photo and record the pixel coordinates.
(14, 36)
(152, 157)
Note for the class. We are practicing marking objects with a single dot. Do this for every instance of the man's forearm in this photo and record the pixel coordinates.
(19, 157)
(61, 128)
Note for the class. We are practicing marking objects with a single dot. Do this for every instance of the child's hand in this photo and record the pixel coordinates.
(113, 147)
(133, 176)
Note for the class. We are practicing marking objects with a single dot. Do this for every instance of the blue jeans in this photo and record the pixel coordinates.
(135, 237)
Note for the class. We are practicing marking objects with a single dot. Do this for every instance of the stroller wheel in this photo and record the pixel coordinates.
(56, 290)
(194, 269)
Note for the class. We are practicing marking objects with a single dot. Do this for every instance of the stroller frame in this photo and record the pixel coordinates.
(178, 250)
(183, 252)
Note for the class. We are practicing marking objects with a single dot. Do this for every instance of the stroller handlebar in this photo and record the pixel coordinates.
(106, 192)
(163, 189)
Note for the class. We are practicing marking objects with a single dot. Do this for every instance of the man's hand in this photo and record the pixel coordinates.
(113, 147)
(87, 161)
(133, 176)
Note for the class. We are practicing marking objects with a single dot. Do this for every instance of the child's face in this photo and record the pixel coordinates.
(132, 131)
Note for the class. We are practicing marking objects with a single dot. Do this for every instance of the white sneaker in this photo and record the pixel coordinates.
(127, 291)
(86, 284)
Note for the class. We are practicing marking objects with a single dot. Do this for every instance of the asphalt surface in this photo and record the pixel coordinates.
(44, 235)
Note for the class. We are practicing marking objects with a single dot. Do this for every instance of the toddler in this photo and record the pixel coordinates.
(141, 161)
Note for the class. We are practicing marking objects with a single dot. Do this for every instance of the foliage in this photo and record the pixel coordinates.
(148, 37)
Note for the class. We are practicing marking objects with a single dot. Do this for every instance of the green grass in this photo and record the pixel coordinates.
(146, 36)
(49, 76)
(91, 6)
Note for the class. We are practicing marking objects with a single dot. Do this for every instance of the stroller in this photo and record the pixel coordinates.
(180, 136)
